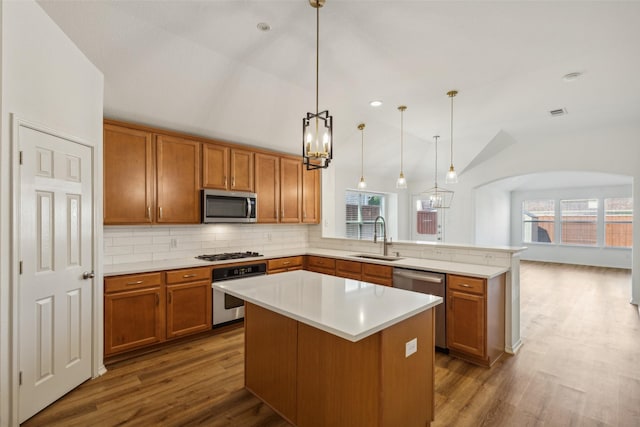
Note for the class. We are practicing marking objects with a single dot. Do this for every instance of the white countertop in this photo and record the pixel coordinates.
(350, 309)
(474, 270)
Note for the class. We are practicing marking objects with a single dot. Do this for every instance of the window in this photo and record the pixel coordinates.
(618, 226)
(361, 212)
(579, 221)
(538, 218)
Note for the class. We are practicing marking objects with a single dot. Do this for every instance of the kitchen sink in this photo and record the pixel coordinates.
(378, 257)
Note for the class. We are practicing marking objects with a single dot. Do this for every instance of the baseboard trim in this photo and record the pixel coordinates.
(514, 349)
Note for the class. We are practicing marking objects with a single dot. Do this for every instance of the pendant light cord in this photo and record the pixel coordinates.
(317, 58)
(435, 179)
(451, 129)
(401, 140)
(362, 151)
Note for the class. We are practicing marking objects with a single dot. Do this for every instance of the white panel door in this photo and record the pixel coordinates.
(56, 248)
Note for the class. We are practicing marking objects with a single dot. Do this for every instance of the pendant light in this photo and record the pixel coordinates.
(317, 129)
(438, 197)
(362, 184)
(402, 181)
(452, 176)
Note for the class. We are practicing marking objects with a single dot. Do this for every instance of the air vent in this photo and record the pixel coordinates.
(558, 112)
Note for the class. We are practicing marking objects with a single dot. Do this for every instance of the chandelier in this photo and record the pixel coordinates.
(317, 129)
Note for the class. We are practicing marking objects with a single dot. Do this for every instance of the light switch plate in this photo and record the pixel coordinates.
(410, 347)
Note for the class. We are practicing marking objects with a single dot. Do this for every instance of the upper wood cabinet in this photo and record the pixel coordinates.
(150, 178)
(310, 196)
(267, 187)
(226, 168)
(290, 190)
(129, 176)
(178, 180)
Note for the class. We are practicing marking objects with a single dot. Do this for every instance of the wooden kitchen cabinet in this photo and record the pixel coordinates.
(150, 178)
(311, 196)
(267, 173)
(134, 311)
(188, 301)
(282, 265)
(178, 180)
(320, 264)
(475, 318)
(378, 274)
(129, 176)
(290, 190)
(227, 168)
(349, 269)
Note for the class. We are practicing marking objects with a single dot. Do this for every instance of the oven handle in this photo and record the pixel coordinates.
(248, 207)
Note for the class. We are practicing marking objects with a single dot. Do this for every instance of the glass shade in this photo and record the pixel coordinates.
(401, 182)
(452, 176)
(362, 184)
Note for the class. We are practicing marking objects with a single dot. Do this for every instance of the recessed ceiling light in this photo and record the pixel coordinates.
(375, 103)
(263, 26)
(571, 77)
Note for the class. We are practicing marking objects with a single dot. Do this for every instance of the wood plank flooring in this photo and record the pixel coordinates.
(579, 366)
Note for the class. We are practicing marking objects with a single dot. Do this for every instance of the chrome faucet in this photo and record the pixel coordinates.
(384, 234)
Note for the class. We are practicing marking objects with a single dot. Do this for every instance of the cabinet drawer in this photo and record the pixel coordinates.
(132, 281)
(349, 269)
(189, 275)
(322, 262)
(378, 274)
(284, 263)
(472, 285)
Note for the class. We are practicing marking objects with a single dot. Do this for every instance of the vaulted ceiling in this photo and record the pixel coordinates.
(204, 67)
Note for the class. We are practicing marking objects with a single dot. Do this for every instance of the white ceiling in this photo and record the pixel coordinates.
(203, 67)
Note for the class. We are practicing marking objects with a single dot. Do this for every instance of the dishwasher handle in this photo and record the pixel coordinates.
(424, 277)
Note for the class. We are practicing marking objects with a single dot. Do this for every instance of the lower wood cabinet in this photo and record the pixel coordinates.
(378, 274)
(188, 301)
(349, 269)
(282, 265)
(475, 318)
(320, 264)
(149, 308)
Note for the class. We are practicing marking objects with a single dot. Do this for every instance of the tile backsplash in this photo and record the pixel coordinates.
(124, 244)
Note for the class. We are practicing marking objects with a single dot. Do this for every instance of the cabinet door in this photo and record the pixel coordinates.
(178, 180)
(290, 190)
(466, 323)
(310, 196)
(133, 319)
(215, 166)
(320, 264)
(378, 274)
(267, 174)
(128, 176)
(188, 308)
(241, 170)
(349, 269)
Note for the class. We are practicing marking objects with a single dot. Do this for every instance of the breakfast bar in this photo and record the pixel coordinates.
(323, 350)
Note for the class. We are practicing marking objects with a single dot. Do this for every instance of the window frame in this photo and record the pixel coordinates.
(360, 222)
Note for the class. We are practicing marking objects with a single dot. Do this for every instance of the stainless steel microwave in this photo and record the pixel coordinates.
(228, 206)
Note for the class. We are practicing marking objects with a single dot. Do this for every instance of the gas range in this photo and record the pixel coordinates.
(228, 255)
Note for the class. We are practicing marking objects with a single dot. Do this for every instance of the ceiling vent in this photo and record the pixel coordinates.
(558, 112)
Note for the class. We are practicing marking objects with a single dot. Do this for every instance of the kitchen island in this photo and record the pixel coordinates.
(328, 351)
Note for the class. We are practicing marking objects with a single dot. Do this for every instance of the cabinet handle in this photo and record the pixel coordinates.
(189, 275)
(225, 181)
(233, 182)
(157, 299)
(160, 212)
(138, 282)
(304, 214)
(149, 212)
(464, 285)
(282, 212)
(286, 263)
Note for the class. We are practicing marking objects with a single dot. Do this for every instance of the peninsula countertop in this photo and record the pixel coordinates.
(350, 309)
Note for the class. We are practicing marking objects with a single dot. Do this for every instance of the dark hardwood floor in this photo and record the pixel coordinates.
(579, 366)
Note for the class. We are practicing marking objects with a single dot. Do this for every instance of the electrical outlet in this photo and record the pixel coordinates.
(174, 243)
(410, 347)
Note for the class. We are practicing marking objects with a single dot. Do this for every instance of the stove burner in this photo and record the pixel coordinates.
(228, 255)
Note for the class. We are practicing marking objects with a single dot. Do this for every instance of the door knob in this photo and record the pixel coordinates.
(86, 275)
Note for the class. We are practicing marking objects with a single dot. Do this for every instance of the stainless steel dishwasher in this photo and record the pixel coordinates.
(426, 283)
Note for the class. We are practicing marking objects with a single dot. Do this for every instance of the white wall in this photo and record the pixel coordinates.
(604, 257)
(48, 81)
(492, 217)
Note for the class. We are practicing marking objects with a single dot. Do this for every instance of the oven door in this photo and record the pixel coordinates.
(226, 307)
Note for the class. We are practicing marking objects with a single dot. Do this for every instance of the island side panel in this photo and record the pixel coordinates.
(407, 382)
(271, 359)
(338, 380)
